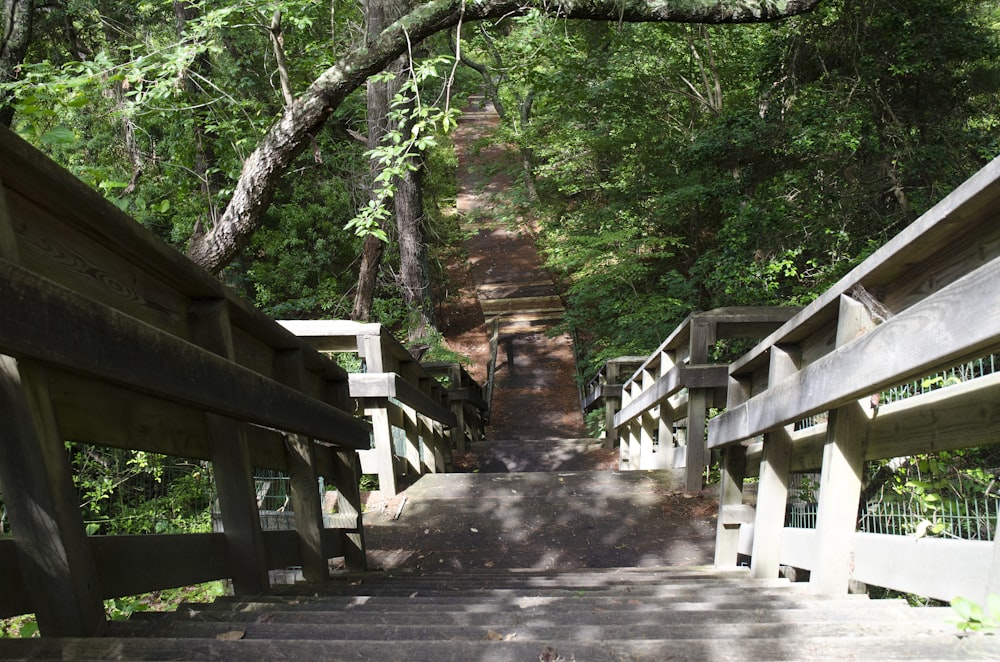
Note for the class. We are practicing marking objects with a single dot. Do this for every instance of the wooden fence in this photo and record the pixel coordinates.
(604, 390)
(468, 402)
(108, 336)
(677, 383)
(927, 300)
(395, 392)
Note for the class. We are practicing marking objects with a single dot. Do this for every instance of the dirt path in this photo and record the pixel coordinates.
(535, 396)
(538, 498)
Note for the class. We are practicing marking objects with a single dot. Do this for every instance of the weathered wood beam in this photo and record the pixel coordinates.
(107, 344)
(128, 565)
(391, 385)
(37, 485)
(961, 320)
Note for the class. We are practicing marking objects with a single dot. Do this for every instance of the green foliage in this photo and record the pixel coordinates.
(415, 126)
(943, 490)
(974, 617)
(133, 492)
(595, 421)
(683, 168)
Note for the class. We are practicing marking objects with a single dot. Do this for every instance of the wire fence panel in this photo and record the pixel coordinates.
(966, 519)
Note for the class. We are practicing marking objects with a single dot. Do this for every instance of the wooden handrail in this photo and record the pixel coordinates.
(677, 383)
(111, 337)
(396, 391)
(922, 303)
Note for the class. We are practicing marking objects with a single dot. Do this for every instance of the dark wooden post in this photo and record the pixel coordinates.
(347, 476)
(209, 326)
(702, 338)
(37, 484)
(303, 479)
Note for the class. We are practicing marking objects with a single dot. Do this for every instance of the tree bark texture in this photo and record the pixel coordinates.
(15, 35)
(302, 120)
(379, 14)
(414, 279)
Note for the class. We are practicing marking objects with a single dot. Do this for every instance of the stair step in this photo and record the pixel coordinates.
(793, 646)
(522, 305)
(581, 603)
(607, 615)
(509, 289)
(529, 630)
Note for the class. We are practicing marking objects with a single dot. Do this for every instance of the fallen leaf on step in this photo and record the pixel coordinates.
(489, 564)
(474, 529)
(232, 635)
(493, 635)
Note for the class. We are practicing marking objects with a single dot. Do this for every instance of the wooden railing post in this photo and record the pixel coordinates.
(377, 410)
(37, 484)
(666, 419)
(647, 427)
(702, 338)
(346, 477)
(303, 479)
(411, 449)
(843, 466)
(612, 403)
(733, 470)
(428, 444)
(772, 490)
(209, 326)
(36, 481)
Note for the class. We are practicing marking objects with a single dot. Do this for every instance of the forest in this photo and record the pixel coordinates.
(666, 166)
(667, 159)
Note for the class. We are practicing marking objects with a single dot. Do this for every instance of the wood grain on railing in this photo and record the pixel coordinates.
(109, 336)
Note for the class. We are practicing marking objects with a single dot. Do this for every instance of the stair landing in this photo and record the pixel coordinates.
(544, 521)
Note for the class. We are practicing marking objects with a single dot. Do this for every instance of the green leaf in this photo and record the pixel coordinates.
(60, 135)
(29, 629)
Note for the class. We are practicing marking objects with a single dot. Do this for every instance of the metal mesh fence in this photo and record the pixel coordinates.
(967, 519)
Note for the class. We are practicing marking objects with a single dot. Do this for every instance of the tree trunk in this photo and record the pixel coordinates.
(414, 279)
(16, 18)
(291, 134)
(378, 15)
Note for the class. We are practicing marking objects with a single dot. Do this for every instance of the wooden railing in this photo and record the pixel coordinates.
(927, 300)
(468, 402)
(394, 392)
(108, 336)
(604, 390)
(677, 383)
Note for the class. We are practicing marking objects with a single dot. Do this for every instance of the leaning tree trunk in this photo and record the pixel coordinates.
(294, 131)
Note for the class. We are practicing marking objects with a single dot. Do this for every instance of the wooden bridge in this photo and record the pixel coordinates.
(110, 337)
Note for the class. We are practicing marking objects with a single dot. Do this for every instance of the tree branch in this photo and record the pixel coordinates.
(291, 134)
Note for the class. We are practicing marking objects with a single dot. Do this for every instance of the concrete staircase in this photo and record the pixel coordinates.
(693, 613)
